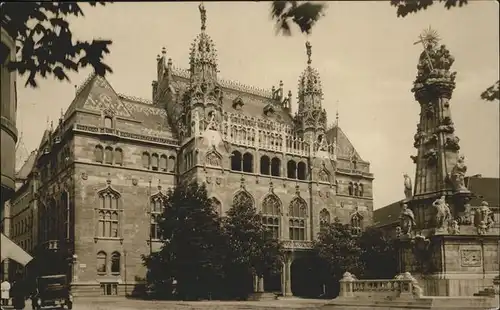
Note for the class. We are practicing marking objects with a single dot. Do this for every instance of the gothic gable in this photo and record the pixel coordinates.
(345, 149)
(102, 97)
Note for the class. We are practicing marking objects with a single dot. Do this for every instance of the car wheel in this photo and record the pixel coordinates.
(69, 305)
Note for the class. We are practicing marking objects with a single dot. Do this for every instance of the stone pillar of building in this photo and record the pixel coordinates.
(287, 278)
(260, 284)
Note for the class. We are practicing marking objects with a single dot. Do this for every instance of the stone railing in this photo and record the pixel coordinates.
(401, 285)
(124, 134)
(277, 139)
(355, 172)
(297, 245)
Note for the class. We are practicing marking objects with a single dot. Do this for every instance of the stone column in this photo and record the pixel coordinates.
(288, 277)
(260, 287)
(255, 283)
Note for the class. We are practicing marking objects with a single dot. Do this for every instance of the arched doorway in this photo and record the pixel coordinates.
(272, 282)
(308, 277)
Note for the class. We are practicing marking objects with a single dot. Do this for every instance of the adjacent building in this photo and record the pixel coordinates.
(482, 189)
(105, 167)
(8, 139)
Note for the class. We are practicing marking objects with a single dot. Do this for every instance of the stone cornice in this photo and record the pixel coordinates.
(94, 130)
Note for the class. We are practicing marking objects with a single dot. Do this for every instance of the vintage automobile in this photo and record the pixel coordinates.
(52, 291)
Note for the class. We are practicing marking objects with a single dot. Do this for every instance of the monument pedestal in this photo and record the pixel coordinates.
(452, 265)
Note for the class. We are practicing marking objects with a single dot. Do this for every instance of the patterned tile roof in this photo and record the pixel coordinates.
(27, 167)
(487, 189)
(387, 215)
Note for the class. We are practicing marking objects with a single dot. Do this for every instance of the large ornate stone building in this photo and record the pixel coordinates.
(106, 166)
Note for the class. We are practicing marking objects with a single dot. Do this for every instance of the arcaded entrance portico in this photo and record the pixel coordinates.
(302, 274)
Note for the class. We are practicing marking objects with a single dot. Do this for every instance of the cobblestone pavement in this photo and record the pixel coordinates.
(119, 303)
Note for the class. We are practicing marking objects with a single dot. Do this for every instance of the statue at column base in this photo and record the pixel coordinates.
(407, 220)
(483, 218)
(443, 214)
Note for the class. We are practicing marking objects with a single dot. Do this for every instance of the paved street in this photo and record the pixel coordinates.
(105, 303)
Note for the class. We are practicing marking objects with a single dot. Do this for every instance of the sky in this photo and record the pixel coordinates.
(362, 50)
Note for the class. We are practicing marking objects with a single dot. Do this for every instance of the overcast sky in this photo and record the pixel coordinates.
(364, 53)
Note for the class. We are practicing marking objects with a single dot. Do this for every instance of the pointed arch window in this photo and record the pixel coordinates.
(108, 155)
(297, 219)
(145, 160)
(115, 263)
(356, 224)
(236, 160)
(301, 170)
(275, 167)
(99, 154)
(163, 163)
(351, 189)
(265, 165)
(171, 163)
(154, 162)
(118, 156)
(243, 197)
(247, 162)
(101, 263)
(361, 190)
(324, 219)
(291, 169)
(156, 209)
(109, 213)
(271, 215)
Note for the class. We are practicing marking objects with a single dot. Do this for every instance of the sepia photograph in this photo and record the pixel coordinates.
(250, 155)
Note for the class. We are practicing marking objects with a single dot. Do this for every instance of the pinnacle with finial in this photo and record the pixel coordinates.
(203, 15)
(309, 52)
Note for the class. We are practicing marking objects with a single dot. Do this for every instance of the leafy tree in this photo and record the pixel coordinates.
(44, 40)
(340, 250)
(378, 255)
(302, 13)
(251, 248)
(405, 7)
(193, 249)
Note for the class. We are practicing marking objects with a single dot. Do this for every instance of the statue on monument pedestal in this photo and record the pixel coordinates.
(408, 187)
(443, 214)
(483, 218)
(458, 174)
(407, 220)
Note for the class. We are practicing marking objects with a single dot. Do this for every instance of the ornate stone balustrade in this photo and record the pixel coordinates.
(403, 284)
(355, 172)
(124, 134)
(264, 135)
(297, 245)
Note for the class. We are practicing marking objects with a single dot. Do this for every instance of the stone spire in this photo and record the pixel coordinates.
(203, 55)
(440, 168)
(311, 117)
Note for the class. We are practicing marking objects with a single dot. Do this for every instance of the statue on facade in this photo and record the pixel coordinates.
(443, 214)
(483, 218)
(407, 220)
(408, 186)
(458, 174)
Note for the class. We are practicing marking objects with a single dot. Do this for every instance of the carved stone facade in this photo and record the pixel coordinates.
(116, 152)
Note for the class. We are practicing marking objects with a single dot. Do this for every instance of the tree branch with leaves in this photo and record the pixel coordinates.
(45, 43)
